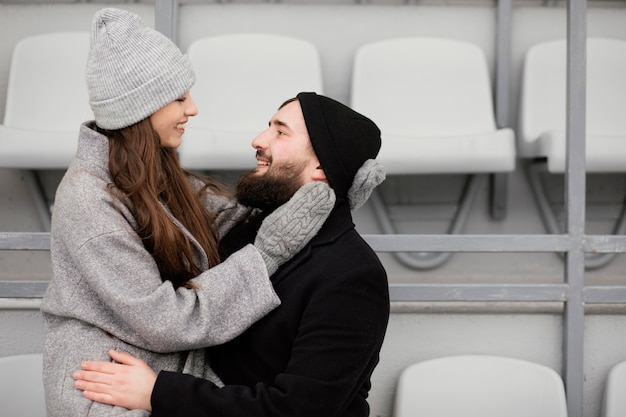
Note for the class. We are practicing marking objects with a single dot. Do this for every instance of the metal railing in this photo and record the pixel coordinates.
(573, 244)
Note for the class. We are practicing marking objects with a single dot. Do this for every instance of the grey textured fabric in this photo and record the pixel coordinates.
(106, 291)
(290, 227)
(132, 69)
(369, 176)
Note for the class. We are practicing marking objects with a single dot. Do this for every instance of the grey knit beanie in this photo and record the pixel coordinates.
(132, 69)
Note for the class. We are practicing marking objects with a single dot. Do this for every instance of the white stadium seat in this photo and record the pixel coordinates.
(241, 79)
(46, 103)
(21, 386)
(542, 136)
(432, 99)
(479, 386)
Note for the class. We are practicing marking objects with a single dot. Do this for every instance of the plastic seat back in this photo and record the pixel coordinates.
(479, 386)
(614, 403)
(21, 386)
(432, 100)
(46, 101)
(241, 79)
(543, 104)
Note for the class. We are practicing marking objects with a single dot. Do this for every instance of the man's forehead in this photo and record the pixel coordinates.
(291, 116)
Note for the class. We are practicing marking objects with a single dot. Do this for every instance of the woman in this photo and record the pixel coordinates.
(134, 236)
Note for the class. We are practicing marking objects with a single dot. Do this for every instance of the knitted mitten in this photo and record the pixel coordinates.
(291, 226)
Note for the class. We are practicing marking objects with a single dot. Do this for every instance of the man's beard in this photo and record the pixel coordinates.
(270, 190)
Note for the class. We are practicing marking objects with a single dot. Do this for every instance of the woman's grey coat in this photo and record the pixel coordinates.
(106, 291)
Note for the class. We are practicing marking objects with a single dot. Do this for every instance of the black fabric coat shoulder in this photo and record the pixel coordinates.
(313, 355)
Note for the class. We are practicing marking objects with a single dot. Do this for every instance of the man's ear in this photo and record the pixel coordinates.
(319, 174)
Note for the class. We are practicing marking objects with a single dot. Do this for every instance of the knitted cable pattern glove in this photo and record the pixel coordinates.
(291, 226)
(368, 177)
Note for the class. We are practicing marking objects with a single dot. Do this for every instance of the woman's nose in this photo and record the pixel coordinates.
(191, 109)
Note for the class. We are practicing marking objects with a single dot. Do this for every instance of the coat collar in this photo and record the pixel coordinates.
(93, 149)
(338, 223)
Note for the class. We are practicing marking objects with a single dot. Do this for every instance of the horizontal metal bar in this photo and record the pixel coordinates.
(606, 294)
(478, 292)
(398, 292)
(22, 289)
(410, 243)
(420, 292)
(604, 244)
(469, 243)
(24, 241)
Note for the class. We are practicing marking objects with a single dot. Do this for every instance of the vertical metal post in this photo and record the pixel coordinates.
(575, 207)
(503, 62)
(498, 181)
(166, 18)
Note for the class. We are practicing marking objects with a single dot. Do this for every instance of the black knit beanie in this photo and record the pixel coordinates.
(342, 139)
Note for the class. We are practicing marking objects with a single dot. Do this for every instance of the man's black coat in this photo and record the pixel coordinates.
(313, 355)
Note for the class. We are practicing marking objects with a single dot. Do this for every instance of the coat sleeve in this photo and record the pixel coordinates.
(104, 276)
(334, 354)
(127, 298)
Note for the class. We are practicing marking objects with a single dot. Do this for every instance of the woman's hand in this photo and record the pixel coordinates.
(127, 383)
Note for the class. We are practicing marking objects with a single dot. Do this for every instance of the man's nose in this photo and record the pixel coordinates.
(260, 142)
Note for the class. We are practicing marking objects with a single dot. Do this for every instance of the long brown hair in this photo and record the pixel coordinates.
(150, 176)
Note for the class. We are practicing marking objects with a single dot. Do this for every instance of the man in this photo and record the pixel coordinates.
(313, 355)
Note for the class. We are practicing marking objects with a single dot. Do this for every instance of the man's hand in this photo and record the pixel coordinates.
(127, 383)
